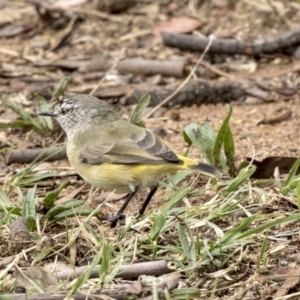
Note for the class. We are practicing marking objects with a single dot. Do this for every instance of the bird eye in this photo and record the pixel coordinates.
(63, 111)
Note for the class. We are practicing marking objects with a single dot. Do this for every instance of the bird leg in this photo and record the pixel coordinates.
(146, 202)
(119, 215)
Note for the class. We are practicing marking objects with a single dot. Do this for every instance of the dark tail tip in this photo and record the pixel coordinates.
(207, 169)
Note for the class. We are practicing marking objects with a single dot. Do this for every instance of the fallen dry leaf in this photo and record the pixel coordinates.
(177, 25)
(134, 288)
(36, 278)
(291, 279)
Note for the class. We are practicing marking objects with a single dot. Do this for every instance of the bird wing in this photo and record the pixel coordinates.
(137, 147)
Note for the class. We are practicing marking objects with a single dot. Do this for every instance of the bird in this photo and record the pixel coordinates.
(113, 154)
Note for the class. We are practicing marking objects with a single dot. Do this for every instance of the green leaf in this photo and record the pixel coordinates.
(11, 210)
(138, 113)
(220, 140)
(203, 137)
(186, 138)
(52, 196)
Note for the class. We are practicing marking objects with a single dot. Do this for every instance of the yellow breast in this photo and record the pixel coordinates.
(118, 177)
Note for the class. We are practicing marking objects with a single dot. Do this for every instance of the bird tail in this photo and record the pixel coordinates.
(191, 164)
(207, 169)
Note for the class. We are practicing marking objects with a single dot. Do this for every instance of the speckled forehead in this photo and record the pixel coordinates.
(68, 103)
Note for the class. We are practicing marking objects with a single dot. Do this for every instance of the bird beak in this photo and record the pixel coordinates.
(49, 113)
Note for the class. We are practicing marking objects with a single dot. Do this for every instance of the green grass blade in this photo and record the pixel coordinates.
(78, 283)
(157, 226)
(160, 220)
(28, 210)
(243, 175)
(68, 209)
(106, 251)
(42, 105)
(229, 151)
(30, 179)
(288, 184)
(17, 124)
(187, 246)
(4, 200)
(298, 195)
(36, 126)
(61, 88)
(279, 221)
(185, 293)
(235, 233)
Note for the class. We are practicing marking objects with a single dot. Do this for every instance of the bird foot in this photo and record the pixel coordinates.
(114, 220)
(138, 215)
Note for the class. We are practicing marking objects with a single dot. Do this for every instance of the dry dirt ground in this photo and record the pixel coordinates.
(38, 49)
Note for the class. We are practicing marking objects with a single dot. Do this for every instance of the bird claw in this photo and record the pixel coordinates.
(114, 220)
(138, 215)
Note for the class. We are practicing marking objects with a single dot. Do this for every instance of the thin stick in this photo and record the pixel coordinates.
(182, 84)
(108, 71)
(216, 70)
(295, 68)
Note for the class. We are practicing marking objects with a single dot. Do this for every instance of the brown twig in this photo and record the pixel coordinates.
(152, 268)
(152, 67)
(37, 154)
(19, 231)
(283, 72)
(135, 66)
(84, 295)
(119, 291)
(272, 45)
(194, 92)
